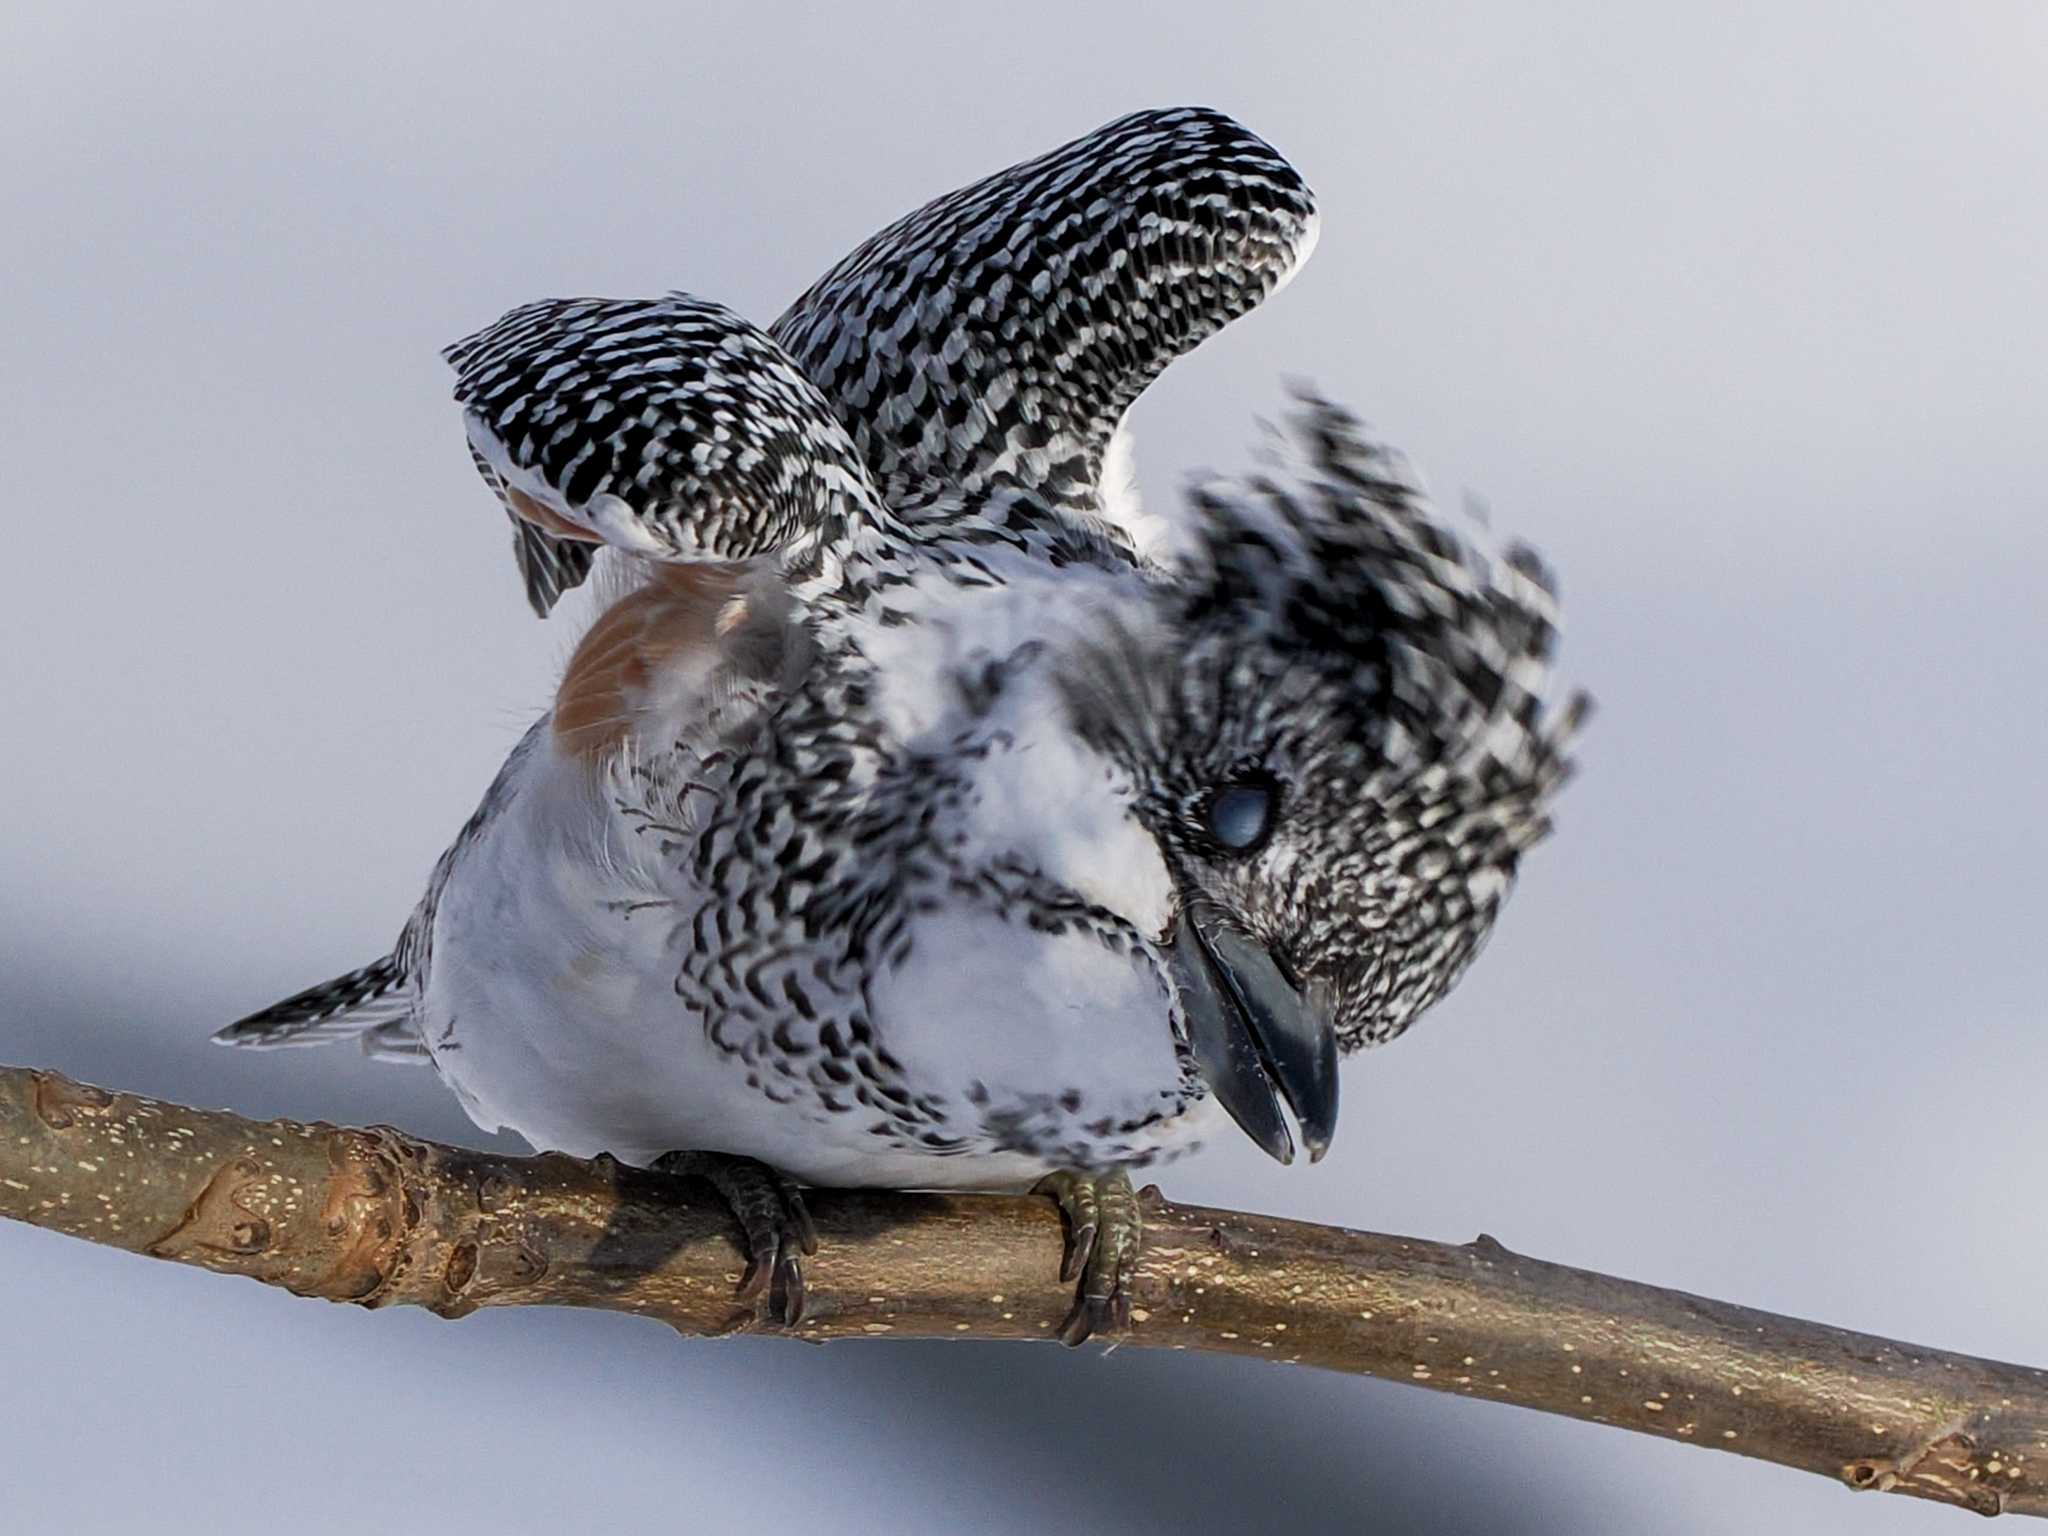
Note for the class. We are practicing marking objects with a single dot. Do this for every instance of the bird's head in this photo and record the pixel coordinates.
(1337, 733)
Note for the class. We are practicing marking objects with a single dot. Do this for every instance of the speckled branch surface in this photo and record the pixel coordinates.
(380, 1218)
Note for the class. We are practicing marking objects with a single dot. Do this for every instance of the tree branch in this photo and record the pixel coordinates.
(380, 1218)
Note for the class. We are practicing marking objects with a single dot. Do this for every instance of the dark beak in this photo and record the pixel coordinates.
(1253, 1038)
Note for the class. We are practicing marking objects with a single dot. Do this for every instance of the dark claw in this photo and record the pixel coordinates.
(773, 1220)
(789, 1276)
(759, 1267)
(800, 1216)
(1080, 1249)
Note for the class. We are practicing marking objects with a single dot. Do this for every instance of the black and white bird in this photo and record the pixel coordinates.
(920, 812)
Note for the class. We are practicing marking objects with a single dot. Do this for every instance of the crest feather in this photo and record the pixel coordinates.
(1443, 643)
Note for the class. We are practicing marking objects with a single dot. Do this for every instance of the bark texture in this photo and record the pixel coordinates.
(379, 1218)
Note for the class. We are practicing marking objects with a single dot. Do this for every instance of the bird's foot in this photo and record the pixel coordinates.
(771, 1213)
(1104, 1232)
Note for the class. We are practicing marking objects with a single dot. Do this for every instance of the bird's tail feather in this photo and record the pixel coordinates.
(396, 1040)
(373, 1002)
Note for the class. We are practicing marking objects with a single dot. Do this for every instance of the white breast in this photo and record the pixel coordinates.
(551, 1003)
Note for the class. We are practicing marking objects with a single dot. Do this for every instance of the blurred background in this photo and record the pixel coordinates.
(1735, 310)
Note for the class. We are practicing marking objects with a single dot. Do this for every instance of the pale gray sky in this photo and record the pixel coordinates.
(1736, 310)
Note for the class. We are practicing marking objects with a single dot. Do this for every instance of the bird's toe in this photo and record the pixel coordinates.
(774, 1223)
(1105, 1231)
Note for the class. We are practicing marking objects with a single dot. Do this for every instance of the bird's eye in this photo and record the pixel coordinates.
(1241, 815)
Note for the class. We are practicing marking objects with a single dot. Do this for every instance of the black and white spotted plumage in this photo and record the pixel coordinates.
(880, 813)
(999, 333)
(1390, 673)
(367, 997)
(670, 428)
(995, 336)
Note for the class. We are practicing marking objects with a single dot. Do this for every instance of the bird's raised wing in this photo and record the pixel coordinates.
(1001, 331)
(669, 427)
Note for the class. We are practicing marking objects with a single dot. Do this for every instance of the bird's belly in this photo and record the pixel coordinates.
(555, 1015)
(1054, 1044)
(550, 1011)
(995, 1049)
(592, 1051)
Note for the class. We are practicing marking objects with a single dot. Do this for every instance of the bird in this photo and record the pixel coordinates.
(920, 810)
